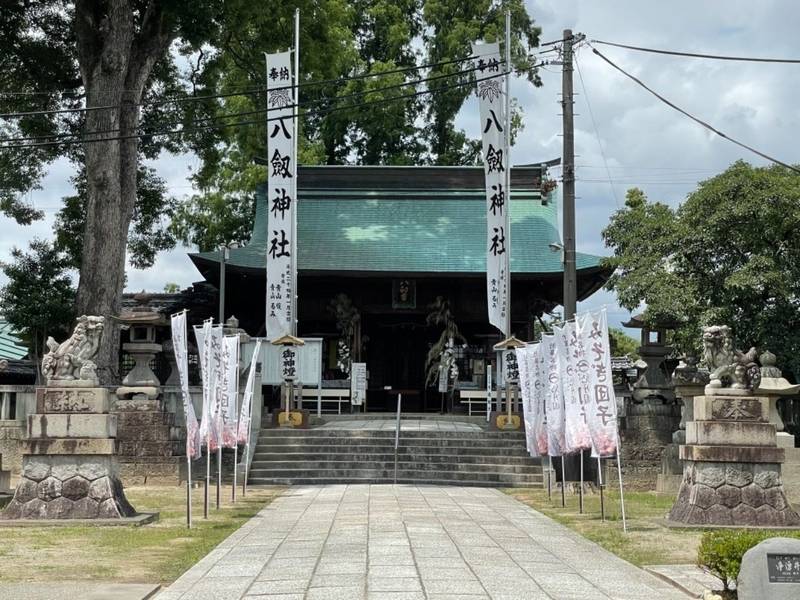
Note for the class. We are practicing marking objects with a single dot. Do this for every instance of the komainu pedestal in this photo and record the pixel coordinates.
(69, 470)
(732, 465)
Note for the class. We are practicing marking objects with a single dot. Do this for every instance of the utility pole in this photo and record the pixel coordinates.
(568, 178)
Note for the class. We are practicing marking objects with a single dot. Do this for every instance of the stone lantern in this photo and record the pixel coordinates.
(653, 383)
(141, 322)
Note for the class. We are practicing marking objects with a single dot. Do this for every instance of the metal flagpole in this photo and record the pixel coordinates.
(563, 483)
(580, 509)
(235, 466)
(600, 485)
(188, 491)
(208, 472)
(549, 480)
(294, 162)
(219, 468)
(621, 495)
(508, 183)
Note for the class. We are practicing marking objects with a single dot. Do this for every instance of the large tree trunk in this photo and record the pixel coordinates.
(116, 58)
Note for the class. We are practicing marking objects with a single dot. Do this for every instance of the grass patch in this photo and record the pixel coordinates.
(646, 543)
(156, 553)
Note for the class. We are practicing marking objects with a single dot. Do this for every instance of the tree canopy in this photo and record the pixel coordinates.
(38, 298)
(730, 254)
(109, 84)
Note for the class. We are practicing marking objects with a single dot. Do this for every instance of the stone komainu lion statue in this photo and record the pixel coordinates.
(728, 367)
(72, 359)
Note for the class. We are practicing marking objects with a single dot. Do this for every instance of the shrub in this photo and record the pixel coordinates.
(721, 550)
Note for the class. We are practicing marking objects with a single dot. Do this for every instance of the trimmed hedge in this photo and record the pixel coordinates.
(721, 550)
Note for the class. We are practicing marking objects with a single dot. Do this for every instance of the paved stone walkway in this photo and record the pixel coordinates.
(405, 542)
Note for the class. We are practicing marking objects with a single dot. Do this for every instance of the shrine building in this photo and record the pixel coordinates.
(392, 239)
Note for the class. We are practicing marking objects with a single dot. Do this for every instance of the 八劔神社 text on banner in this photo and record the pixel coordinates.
(491, 100)
(281, 196)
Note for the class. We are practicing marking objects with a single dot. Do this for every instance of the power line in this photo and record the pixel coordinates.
(252, 91)
(253, 122)
(692, 117)
(698, 55)
(262, 110)
(596, 133)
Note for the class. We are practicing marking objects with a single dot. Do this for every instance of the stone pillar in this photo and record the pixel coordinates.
(732, 465)
(69, 468)
(669, 480)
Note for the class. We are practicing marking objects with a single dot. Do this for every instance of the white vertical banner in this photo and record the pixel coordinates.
(601, 408)
(525, 390)
(246, 411)
(537, 369)
(576, 429)
(209, 345)
(281, 195)
(229, 390)
(554, 395)
(179, 344)
(493, 137)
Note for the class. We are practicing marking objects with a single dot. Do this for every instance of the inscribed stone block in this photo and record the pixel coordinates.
(771, 570)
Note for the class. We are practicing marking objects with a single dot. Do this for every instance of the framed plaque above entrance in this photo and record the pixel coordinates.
(404, 293)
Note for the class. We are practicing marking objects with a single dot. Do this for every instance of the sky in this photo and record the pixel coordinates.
(643, 142)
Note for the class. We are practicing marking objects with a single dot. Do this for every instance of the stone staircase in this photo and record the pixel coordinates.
(311, 456)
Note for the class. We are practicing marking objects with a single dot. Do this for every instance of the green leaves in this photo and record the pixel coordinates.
(38, 298)
(729, 254)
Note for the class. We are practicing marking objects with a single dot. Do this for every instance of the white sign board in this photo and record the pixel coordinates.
(358, 383)
(309, 366)
(290, 362)
(442, 379)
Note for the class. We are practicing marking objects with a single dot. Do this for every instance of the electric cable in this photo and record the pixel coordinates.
(692, 117)
(262, 110)
(699, 55)
(252, 122)
(596, 132)
(259, 90)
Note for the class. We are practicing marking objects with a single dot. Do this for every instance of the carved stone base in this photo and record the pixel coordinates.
(733, 494)
(69, 487)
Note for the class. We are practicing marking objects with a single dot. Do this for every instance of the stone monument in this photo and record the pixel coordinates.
(732, 465)
(770, 570)
(69, 470)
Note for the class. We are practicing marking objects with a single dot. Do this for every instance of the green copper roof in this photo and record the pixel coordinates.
(10, 345)
(408, 230)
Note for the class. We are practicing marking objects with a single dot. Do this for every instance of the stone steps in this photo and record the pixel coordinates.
(475, 458)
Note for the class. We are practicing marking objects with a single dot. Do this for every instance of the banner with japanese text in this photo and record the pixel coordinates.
(246, 411)
(281, 195)
(601, 405)
(537, 369)
(229, 390)
(180, 346)
(209, 346)
(554, 395)
(573, 368)
(525, 380)
(491, 102)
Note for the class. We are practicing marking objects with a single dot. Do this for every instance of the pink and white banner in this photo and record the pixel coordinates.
(525, 381)
(532, 387)
(601, 406)
(571, 364)
(554, 396)
(179, 345)
(538, 362)
(229, 390)
(209, 344)
(245, 414)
